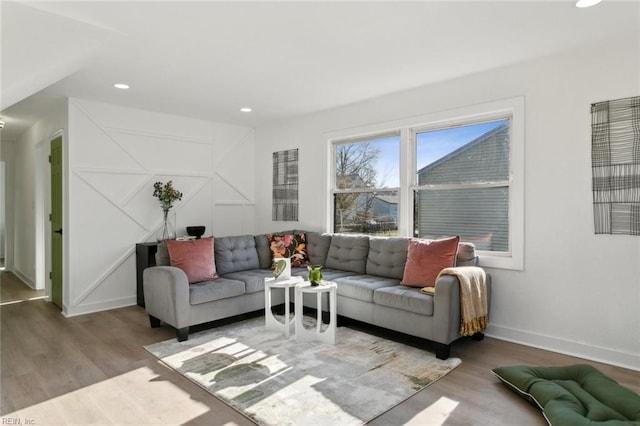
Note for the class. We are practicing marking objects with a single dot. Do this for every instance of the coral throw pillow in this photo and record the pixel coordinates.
(426, 258)
(293, 246)
(194, 257)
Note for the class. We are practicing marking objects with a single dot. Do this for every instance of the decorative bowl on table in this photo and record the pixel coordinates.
(196, 231)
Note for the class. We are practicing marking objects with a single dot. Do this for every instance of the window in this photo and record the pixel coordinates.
(456, 172)
(462, 183)
(366, 180)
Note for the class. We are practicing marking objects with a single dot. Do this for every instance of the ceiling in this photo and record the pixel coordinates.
(207, 59)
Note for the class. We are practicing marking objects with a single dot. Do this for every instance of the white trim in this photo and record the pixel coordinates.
(367, 136)
(567, 347)
(28, 281)
(233, 203)
(449, 186)
(364, 190)
(173, 138)
(89, 308)
(234, 187)
(104, 131)
(106, 274)
(121, 205)
(405, 206)
(330, 184)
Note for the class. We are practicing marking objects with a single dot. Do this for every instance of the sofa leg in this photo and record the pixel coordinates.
(182, 334)
(477, 336)
(155, 322)
(442, 350)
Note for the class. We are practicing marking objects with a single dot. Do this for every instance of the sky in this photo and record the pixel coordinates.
(431, 146)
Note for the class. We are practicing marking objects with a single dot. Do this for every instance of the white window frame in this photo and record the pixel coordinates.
(408, 127)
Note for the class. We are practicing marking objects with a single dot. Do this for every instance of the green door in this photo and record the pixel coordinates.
(56, 221)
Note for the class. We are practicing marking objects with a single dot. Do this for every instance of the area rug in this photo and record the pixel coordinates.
(278, 381)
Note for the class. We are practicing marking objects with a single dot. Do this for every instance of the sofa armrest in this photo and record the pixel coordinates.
(446, 308)
(166, 295)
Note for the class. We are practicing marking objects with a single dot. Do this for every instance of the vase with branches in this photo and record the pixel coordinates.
(166, 195)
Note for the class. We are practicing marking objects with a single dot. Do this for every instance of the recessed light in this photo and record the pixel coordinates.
(121, 86)
(245, 109)
(587, 3)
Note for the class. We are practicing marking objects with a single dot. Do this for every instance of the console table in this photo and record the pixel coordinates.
(145, 257)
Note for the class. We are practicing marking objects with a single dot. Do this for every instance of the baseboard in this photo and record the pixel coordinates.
(89, 308)
(29, 282)
(567, 347)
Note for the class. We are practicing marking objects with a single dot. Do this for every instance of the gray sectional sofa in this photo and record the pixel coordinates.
(368, 271)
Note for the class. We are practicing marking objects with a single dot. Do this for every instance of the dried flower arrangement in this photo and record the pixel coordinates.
(166, 194)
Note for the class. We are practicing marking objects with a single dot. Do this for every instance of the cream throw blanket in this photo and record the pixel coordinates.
(474, 309)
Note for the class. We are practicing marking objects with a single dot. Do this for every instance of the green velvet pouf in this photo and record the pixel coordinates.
(574, 395)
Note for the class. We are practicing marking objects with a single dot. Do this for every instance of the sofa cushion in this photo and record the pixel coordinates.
(361, 287)
(426, 258)
(466, 254)
(263, 250)
(573, 394)
(481, 242)
(253, 279)
(387, 256)
(348, 253)
(292, 246)
(236, 253)
(194, 257)
(328, 274)
(318, 247)
(405, 298)
(208, 291)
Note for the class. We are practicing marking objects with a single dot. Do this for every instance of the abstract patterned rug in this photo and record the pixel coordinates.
(275, 381)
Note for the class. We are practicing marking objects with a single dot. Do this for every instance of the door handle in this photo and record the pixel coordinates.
(58, 231)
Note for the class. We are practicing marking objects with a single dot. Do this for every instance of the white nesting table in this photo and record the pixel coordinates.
(328, 335)
(271, 323)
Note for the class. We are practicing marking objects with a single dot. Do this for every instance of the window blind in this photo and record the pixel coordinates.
(615, 156)
(465, 192)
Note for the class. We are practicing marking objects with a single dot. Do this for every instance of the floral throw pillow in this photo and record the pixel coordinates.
(293, 246)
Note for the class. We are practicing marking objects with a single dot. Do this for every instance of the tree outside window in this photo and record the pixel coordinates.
(364, 202)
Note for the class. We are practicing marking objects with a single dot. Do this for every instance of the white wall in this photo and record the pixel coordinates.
(6, 154)
(114, 156)
(20, 210)
(3, 225)
(579, 292)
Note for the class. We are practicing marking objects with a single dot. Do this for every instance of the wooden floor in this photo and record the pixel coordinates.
(93, 369)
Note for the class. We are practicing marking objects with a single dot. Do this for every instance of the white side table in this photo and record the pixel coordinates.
(271, 323)
(329, 334)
